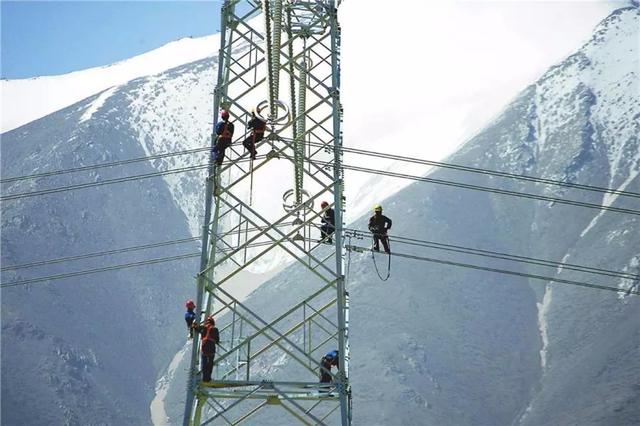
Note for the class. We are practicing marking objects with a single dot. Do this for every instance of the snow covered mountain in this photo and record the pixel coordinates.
(458, 347)
(24, 101)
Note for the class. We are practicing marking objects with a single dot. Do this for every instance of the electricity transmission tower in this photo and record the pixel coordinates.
(281, 59)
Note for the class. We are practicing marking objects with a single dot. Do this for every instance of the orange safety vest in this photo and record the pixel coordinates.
(210, 338)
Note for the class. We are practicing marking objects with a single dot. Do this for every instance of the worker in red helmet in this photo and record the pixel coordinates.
(210, 338)
(224, 134)
(190, 316)
(328, 223)
(257, 127)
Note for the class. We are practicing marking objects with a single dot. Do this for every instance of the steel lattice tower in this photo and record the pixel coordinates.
(281, 58)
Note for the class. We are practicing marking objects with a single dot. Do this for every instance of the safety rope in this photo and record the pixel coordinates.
(251, 180)
(373, 256)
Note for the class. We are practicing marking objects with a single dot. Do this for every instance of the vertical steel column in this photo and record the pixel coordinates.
(204, 254)
(338, 182)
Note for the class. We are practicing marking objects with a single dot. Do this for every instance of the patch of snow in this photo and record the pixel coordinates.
(608, 199)
(158, 413)
(613, 235)
(627, 284)
(96, 105)
(564, 259)
(543, 309)
(26, 100)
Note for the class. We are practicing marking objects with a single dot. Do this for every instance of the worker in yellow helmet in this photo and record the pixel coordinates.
(379, 224)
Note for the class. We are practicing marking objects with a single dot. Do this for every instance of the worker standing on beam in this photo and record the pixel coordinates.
(210, 338)
(257, 127)
(379, 225)
(224, 134)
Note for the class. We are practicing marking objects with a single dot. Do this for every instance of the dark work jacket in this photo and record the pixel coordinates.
(224, 130)
(256, 125)
(379, 224)
(329, 218)
(210, 338)
(189, 317)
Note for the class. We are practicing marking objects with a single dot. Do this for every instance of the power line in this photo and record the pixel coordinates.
(486, 189)
(478, 170)
(100, 183)
(404, 240)
(500, 255)
(108, 181)
(128, 249)
(504, 271)
(122, 266)
(346, 166)
(96, 270)
(378, 154)
(103, 165)
(98, 254)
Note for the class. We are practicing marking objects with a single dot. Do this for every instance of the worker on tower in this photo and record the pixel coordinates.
(257, 127)
(190, 316)
(329, 360)
(210, 338)
(328, 223)
(379, 224)
(224, 134)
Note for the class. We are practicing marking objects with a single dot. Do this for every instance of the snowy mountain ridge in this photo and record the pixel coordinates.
(26, 100)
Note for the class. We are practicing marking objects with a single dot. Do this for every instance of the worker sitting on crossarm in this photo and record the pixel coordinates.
(257, 127)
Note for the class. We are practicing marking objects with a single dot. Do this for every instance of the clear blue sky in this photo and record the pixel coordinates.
(56, 37)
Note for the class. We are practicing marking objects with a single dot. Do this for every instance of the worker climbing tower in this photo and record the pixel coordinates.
(280, 60)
